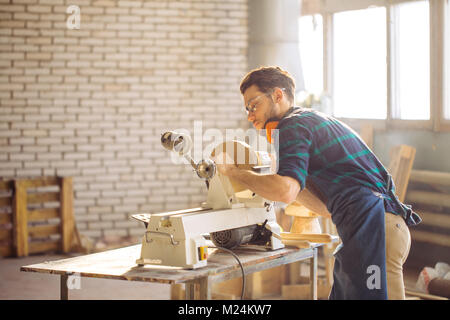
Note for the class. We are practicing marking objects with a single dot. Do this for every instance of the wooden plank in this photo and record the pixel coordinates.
(43, 246)
(258, 284)
(20, 224)
(301, 244)
(6, 251)
(177, 292)
(253, 286)
(223, 296)
(426, 197)
(230, 288)
(294, 273)
(311, 237)
(43, 231)
(367, 135)
(6, 201)
(402, 159)
(430, 237)
(441, 220)
(204, 289)
(43, 214)
(42, 197)
(272, 279)
(302, 291)
(189, 290)
(6, 185)
(424, 295)
(430, 177)
(41, 182)
(5, 218)
(67, 218)
(6, 234)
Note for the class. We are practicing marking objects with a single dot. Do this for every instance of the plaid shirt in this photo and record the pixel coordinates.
(328, 155)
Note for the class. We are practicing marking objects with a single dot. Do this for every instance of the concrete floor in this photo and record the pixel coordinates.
(17, 285)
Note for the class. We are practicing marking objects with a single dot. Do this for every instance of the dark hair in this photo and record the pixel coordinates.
(267, 78)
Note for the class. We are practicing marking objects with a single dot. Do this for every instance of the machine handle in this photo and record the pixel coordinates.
(163, 234)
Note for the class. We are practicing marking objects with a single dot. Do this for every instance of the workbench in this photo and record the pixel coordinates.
(120, 264)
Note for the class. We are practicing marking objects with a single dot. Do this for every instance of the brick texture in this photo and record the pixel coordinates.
(91, 103)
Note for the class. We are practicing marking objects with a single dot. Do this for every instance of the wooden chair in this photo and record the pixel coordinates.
(402, 159)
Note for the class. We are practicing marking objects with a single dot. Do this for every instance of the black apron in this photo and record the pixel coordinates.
(360, 260)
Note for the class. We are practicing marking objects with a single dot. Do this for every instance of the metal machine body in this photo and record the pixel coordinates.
(232, 215)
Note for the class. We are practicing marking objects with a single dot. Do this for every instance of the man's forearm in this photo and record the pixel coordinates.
(313, 203)
(271, 187)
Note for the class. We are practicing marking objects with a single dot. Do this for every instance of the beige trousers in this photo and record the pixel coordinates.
(398, 243)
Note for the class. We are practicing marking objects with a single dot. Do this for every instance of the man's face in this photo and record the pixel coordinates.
(259, 106)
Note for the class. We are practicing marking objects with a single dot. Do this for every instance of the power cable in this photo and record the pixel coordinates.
(240, 264)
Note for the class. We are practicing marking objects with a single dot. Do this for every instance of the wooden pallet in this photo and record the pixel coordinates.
(434, 206)
(37, 216)
(6, 227)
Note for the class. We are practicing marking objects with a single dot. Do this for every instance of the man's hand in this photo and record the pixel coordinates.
(272, 187)
(224, 164)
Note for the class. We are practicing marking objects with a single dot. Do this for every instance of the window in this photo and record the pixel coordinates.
(386, 63)
(447, 63)
(311, 52)
(411, 61)
(359, 64)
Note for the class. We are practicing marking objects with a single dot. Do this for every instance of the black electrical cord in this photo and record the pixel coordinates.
(240, 264)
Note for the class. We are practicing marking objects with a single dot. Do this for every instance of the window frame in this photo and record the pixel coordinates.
(443, 11)
(438, 22)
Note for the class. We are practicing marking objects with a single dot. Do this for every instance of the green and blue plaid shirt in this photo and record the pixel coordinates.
(327, 154)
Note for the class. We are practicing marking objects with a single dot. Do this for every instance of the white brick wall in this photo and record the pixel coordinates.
(92, 103)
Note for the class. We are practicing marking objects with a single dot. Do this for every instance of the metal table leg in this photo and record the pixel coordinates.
(313, 275)
(64, 290)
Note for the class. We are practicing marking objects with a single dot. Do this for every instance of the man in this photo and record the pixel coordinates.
(327, 167)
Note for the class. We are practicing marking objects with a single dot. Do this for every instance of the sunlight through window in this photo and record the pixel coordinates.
(411, 61)
(359, 64)
(311, 52)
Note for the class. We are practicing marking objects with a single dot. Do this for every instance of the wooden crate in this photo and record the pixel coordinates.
(42, 216)
(6, 222)
(430, 197)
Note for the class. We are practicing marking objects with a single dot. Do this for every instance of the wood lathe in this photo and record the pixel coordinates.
(232, 215)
